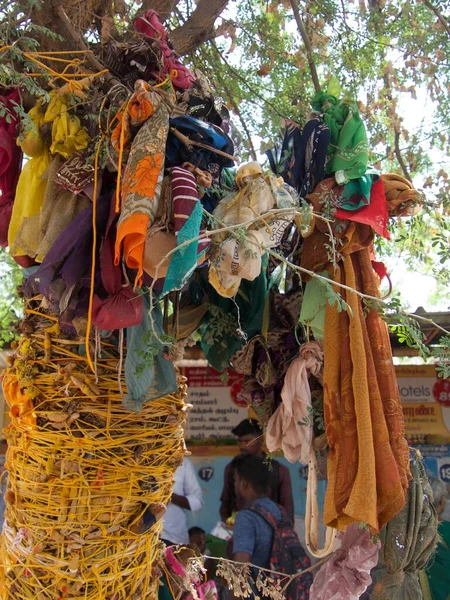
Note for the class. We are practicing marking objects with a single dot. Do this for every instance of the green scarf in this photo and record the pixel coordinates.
(348, 150)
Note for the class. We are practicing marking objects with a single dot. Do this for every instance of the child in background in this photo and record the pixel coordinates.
(197, 537)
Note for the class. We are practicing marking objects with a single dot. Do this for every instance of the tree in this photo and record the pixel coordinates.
(267, 59)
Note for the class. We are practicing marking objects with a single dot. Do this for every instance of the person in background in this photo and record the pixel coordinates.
(435, 581)
(250, 439)
(197, 537)
(260, 523)
(186, 495)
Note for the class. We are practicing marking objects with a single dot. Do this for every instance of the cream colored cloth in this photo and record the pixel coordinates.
(290, 428)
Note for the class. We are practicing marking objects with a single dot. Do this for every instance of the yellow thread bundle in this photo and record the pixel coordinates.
(82, 471)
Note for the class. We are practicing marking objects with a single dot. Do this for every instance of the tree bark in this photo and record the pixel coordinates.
(199, 27)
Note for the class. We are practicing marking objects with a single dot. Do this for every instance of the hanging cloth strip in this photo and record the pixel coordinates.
(368, 457)
(147, 373)
(68, 137)
(312, 515)
(143, 176)
(362, 406)
(290, 428)
(120, 307)
(346, 575)
(187, 219)
(302, 156)
(37, 234)
(30, 187)
(10, 160)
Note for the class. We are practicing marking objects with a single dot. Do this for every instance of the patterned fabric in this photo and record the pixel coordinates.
(265, 359)
(75, 174)
(346, 575)
(402, 199)
(10, 160)
(408, 540)
(143, 176)
(375, 214)
(206, 133)
(348, 149)
(356, 193)
(327, 198)
(302, 156)
(290, 428)
(187, 218)
(147, 373)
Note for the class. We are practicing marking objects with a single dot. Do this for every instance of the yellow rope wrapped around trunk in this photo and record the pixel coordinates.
(82, 471)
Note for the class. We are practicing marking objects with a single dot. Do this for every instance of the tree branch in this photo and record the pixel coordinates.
(439, 15)
(81, 44)
(307, 42)
(397, 150)
(198, 27)
(398, 155)
(241, 119)
(162, 7)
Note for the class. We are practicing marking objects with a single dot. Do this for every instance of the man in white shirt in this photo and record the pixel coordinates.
(186, 495)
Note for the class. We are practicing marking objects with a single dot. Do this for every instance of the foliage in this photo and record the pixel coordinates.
(10, 304)
(387, 54)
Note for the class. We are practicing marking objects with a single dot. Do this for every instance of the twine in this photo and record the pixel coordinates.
(82, 472)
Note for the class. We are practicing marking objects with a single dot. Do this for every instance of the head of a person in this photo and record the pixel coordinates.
(251, 478)
(197, 537)
(441, 498)
(250, 437)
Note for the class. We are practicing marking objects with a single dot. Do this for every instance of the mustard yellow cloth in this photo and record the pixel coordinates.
(68, 136)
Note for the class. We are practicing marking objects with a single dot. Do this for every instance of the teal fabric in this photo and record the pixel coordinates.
(356, 192)
(147, 373)
(163, 590)
(184, 260)
(220, 337)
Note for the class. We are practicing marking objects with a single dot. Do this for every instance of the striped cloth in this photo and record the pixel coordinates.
(187, 218)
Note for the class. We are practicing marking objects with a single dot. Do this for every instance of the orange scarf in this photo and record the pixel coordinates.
(368, 461)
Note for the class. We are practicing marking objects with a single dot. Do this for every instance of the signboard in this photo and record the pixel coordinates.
(216, 403)
(426, 401)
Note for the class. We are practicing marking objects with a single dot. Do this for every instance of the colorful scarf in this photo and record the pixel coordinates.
(142, 180)
(348, 151)
(187, 218)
